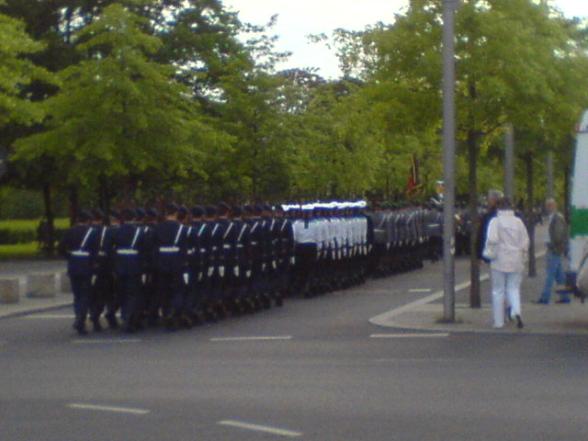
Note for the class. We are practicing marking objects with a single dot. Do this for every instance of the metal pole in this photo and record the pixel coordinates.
(449, 7)
(550, 178)
(509, 163)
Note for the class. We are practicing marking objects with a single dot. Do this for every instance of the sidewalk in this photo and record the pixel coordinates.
(29, 305)
(538, 319)
(26, 305)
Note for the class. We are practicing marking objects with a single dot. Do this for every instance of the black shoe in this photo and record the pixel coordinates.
(80, 327)
(185, 322)
(172, 324)
(96, 325)
(112, 322)
(520, 324)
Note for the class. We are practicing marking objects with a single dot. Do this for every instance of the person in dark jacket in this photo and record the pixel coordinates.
(491, 212)
(80, 246)
(557, 247)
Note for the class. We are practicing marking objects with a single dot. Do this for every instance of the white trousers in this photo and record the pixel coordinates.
(505, 285)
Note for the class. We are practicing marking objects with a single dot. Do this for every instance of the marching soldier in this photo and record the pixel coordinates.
(80, 246)
(129, 266)
(169, 243)
(103, 289)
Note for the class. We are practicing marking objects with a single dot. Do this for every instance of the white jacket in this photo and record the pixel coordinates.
(507, 243)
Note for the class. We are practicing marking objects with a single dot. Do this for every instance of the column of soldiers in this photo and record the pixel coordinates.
(404, 238)
(183, 267)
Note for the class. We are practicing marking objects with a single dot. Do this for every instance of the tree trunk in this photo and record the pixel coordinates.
(567, 202)
(49, 235)
(104, 195)
(74, 204)
(475, 300)
(531, 215)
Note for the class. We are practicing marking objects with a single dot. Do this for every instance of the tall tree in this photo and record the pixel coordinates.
(121, 114)
(509, 59)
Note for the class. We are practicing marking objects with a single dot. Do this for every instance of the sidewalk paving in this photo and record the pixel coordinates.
(21, 269)
(28, 305)
(539, 319)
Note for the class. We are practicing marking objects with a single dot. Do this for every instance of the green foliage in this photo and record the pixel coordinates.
(121, 114)
(20, 251)
(22, 231)
(167, 100)
(16, 72)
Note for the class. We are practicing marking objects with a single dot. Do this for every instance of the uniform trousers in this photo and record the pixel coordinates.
(81, 287)
(505, 285)
(130, 290)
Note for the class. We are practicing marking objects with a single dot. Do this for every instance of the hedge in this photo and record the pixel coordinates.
(25, 231)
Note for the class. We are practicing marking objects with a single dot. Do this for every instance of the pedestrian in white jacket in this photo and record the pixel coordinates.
(506, 247)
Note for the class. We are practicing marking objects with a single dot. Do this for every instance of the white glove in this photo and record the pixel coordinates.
(210, 271)
(93, 280)
(236, 271)
(221, 271)
(274, 264)
(248, 274)
(144, 278)
(186, 277)
(263, 266)
(293, 260)
(200, 276)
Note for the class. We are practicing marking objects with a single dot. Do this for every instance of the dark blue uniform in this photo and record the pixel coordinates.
(128, 255)
(103, 289)
(170, 252)
(80, 246)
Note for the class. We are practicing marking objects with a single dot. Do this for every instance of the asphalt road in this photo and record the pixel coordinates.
(318, 375)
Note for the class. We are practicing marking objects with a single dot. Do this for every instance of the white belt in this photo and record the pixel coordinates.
(102, 254)
(240, 246)
(80, 253)
(227, 247)
(127, 252)
(203, 250)
(169, 249)
(254, 243)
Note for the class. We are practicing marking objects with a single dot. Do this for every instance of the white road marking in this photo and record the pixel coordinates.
(409, 335)
(260, 338)
(115, 409)
(50, 316)
(383, 319)
(386, 316)
(106, 341)
(417, 290)
(259, 428)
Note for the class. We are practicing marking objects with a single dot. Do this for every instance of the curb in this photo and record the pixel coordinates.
(35, 310)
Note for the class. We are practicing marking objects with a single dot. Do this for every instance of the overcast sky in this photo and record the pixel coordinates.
(299, 18)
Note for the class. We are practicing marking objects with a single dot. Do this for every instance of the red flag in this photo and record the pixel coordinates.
(413, 184)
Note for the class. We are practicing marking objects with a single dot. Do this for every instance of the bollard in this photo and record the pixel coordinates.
(9, 290)
(41, 286)
(64, 283)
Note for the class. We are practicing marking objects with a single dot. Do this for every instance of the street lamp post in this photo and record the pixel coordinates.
(509, 163)
(449, 7)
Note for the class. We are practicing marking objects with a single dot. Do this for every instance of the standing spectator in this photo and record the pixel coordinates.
(506, 248)
(492, 209)
(556, 248)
